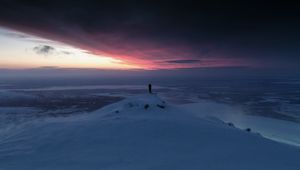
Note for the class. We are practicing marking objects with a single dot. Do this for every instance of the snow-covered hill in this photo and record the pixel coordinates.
(142, 132)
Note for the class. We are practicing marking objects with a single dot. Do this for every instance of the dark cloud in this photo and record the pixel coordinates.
(255, 32)
(183, 61)
(44, 49)
(66, 52)
(16, 35)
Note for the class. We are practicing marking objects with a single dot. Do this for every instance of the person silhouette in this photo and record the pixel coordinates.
(150, 88)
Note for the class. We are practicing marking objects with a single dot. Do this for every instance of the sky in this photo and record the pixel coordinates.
(20, 50)
(149, 35)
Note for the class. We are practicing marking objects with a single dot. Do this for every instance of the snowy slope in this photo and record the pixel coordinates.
(130, 135)
(275, 129)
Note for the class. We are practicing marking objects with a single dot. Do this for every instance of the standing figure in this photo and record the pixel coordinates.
(150, 88)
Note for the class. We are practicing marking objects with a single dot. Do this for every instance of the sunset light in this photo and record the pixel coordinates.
(20, 50)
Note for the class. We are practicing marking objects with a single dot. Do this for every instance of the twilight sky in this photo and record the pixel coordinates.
(156, 35)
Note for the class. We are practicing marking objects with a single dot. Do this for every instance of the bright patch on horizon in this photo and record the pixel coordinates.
(19, 50)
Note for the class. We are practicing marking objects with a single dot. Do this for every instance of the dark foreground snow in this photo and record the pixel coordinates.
(131, 135)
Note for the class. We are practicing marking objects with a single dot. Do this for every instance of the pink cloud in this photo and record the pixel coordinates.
(144, 53)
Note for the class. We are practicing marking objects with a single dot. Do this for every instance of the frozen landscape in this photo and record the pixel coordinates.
(209, 125)
(149, 85)
(141, 132)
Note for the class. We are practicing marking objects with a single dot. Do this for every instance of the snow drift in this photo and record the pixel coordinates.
(141, 132)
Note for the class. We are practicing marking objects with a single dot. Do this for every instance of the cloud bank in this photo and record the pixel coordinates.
(217, 34)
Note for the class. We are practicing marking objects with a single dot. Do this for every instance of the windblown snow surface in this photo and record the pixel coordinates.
(142, 132)
(275, 129)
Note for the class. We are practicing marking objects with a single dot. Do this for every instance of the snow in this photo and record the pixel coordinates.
(11, 95)
(128, 135)
(8, 115)
(275, 129)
